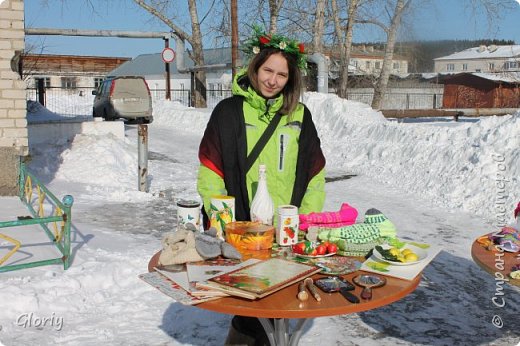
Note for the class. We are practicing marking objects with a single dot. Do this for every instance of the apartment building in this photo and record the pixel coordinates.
(486, 59)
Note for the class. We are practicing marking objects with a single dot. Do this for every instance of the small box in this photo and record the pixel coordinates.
(249, 235)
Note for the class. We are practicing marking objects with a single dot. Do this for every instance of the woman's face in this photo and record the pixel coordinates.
(273, 75)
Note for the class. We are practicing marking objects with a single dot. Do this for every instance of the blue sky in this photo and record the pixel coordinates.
(435, 19)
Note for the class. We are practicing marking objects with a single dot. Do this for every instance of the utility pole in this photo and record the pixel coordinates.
(234, 37)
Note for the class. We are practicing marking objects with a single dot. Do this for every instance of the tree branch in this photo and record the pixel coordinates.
(177, 30)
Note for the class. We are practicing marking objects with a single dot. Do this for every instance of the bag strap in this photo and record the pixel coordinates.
(262, 141)
(251, 158)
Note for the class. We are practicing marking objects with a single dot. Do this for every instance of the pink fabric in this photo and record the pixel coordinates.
(305, 226)
(345, 216)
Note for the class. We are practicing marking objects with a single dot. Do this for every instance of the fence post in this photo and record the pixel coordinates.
(434, 101)
(41, 91)
(142, 156)
(67, 201)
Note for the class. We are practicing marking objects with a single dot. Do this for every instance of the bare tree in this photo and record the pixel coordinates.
(319, 26)
(274, 11)
(344, 36)
(158, 9)
(391, 32)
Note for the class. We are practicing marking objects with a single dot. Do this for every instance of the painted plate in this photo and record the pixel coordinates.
(337, 265)
(421, 254)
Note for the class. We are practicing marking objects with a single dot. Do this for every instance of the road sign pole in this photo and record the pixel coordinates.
(167, 66)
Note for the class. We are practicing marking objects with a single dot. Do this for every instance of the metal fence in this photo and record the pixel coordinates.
(401, 100)
(78, 101)
(47, 212)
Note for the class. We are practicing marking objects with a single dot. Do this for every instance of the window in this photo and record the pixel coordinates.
(46, 81)
(367, 65)
(478, 70)
(510, 65)
(378, 65)
(450, 67)
(182, 86)
(491, 66)
(97, 82)
(396, 65)
(464, 67)
(68, 83)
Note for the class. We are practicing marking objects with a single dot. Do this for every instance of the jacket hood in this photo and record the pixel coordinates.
(242, 87)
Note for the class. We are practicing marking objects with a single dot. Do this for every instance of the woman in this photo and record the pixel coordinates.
(293, 157)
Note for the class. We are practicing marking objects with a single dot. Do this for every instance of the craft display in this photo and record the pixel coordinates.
(507, 239)
(357, 239)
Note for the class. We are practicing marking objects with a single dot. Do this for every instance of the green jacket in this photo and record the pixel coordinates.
(280, 154)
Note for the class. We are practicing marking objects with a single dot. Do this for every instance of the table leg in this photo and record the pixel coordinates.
(278, 331)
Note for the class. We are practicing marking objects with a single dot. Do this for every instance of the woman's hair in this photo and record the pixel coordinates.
(291, 91)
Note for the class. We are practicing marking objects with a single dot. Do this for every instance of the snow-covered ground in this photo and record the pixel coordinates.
(440, 182)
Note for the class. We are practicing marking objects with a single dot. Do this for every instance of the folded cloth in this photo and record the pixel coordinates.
(209, 246)
(179, 248)
(306, 226)
(345, 216)
(357, 250)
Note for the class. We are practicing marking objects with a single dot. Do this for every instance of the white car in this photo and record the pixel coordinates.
(123, 97)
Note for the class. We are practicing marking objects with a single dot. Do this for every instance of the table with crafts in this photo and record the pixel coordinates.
(494, 261)
(274, 311)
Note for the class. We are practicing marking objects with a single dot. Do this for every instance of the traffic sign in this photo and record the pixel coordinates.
(168, 55)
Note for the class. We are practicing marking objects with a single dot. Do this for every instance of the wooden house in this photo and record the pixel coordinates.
(68, 71)
(482, 90)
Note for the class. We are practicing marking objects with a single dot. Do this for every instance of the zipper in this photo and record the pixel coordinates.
(283, 145)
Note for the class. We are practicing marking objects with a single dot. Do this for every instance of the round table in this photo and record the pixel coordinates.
(283, 305)
(496, 262)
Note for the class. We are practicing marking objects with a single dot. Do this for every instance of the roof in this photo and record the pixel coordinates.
(152, 64)
(510, 77)
(483, 52)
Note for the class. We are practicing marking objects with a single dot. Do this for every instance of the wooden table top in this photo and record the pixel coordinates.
(494, 261)
(284, 303)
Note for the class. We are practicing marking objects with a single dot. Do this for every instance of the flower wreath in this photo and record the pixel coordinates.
(259, 40)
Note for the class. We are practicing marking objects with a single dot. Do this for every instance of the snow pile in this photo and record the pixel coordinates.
(462, 165)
